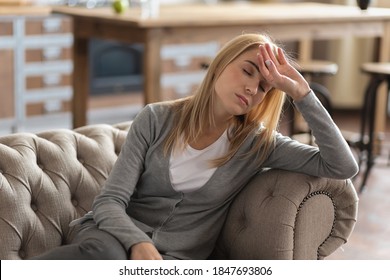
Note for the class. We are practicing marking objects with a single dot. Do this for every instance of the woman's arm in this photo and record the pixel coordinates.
(333, 157)
(109, 207)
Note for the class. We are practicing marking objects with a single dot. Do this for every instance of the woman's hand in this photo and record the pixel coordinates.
(280, 74)
(144, 251)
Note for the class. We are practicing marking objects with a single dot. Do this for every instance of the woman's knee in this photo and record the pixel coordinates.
(99, 249)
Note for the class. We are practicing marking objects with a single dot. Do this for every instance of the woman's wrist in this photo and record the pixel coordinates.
(300, 94)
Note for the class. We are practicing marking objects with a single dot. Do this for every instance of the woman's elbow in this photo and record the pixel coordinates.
(349, 170)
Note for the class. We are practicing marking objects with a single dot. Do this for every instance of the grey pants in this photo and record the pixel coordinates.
(89, 243)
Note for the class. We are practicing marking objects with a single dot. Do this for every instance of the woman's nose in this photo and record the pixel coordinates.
(251, 90)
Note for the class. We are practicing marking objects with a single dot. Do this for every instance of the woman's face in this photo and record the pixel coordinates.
(240, 87)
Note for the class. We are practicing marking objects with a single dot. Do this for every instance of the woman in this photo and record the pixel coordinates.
(184, 161)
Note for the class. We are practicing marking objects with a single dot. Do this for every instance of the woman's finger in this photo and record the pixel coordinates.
(262, 67)
(281, 57)
(271, 54)
(273, 74)
(264, 53)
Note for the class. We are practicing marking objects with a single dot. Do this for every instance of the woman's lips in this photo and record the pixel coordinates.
(243, 99)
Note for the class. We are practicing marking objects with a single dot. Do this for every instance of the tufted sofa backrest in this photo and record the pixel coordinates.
(49, 179)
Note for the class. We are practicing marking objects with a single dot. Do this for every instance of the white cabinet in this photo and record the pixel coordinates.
(35, 67)
(182, 67)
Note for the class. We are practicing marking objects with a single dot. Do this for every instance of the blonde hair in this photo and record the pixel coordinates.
(195, 113)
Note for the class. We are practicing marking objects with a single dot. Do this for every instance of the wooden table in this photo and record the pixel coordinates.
(301, 22)
(6, 10)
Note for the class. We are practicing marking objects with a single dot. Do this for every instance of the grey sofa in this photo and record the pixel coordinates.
(50, 178)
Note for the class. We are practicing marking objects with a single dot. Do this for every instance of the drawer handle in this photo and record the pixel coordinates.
(52, 25)
(182, 61)
(51, 79)
(52, 53)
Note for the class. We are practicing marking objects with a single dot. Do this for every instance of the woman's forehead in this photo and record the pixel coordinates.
(252, 51)
(250, 54)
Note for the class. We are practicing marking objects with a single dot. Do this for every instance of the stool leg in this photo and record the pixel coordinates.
(388, 108)
(368, 118)
(364, 115)
(323, 95)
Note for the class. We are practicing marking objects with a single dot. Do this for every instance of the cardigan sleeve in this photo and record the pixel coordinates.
(109, 207)
(332, 158)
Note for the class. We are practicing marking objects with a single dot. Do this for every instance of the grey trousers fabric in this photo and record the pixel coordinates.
(89, 243)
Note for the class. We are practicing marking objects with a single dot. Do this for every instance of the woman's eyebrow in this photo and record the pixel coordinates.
(254, 65)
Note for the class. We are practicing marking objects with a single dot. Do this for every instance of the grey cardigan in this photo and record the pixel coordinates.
(138, 203)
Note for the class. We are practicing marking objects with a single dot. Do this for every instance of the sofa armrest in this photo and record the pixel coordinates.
(287, 215)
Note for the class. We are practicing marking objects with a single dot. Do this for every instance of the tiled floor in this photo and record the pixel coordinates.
(371, 238)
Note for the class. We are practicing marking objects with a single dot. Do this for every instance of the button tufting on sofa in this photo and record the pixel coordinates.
(81, 161)
(75, 202)
(34, 207)
(22, 254)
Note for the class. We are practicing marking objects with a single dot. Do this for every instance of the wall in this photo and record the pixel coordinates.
(348, 85)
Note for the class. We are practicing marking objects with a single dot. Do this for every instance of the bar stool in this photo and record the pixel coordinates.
(311, 69)
(379, 73)
(317, 68)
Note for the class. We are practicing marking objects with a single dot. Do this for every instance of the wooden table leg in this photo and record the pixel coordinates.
(152, 66)
(80, 81)
(305, 50)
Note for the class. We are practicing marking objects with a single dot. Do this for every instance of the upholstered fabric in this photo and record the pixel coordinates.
(286, 215)
(50, 178)
(47, 180)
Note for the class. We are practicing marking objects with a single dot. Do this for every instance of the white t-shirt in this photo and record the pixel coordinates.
(190, 169)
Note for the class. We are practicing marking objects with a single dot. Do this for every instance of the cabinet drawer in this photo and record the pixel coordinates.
(179, 85)
(47, 81)
(48, 25)
(187, 57)
(6, 28)
(184, 64)
(7, 62)
(48, 54)
(39, 109)
(6, 84)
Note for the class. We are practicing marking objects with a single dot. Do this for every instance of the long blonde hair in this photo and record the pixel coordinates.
(195, 113)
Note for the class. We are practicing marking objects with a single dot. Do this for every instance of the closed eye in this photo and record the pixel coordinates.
(253, 65)
(247, 72)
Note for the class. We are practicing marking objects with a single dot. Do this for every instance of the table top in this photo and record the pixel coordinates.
(244, 13)
(16, 10)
